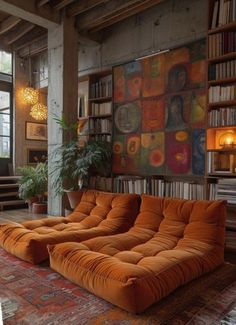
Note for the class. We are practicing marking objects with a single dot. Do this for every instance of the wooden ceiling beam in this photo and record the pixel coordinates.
(29, 38)
(26, 9)
(23, 29)
(62, 4)
(8, 24)
(40, 3)
(83, 6)
(112, 13)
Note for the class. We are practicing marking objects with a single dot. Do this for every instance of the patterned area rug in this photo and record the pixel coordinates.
(35, 295)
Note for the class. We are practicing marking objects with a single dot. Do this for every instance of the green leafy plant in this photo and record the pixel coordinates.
(33, 181)
(72, 162)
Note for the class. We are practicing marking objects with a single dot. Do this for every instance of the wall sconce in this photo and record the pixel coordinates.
(228, 140)
(39, 112)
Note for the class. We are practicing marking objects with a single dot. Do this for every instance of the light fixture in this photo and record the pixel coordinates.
(227, 139)
(39, 112)
(29, 94)
(152, 54)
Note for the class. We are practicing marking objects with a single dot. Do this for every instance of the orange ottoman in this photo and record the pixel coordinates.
(172, 242)
(97, 214)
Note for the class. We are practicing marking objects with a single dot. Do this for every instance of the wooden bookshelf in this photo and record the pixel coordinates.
(221, 111)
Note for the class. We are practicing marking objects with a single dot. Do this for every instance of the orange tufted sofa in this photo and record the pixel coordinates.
(97, 214)
(172, 242)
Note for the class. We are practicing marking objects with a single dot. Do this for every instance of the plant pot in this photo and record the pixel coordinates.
(39, 208)
(30, 202)
(74, 197)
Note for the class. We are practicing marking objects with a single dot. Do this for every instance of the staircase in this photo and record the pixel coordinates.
(9, 192)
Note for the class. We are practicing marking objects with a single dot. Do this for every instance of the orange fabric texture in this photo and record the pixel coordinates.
(172, 242)
(97, 214)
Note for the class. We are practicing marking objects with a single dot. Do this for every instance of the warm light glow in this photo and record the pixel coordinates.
(39, 112)
(30, 95)
(226, 140)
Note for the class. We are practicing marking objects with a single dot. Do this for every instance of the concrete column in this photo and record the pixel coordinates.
(62, 92)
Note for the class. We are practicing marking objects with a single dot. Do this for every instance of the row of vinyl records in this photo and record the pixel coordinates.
(221, 43)
(101, 109)
(224, 116)
(102, 125)
(159, 187)
(101, 88)
(222, 70)
(224, 12)
(225, 189)
(222, 93)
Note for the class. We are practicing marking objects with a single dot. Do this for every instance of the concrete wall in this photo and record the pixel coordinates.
(170, 24)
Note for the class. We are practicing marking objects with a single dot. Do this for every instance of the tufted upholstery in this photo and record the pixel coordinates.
(172, 242)
(98, 213)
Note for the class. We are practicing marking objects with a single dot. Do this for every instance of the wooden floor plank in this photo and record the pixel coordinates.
(19, 215)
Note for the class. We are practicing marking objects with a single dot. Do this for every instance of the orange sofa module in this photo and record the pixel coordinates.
(97, 214)
(172, 242)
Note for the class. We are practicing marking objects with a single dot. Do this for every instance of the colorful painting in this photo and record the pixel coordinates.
(153, 72)
(159, 112)
(178, 152)
(153, 114)
(152, 153)
(127, 117)
(198, 151)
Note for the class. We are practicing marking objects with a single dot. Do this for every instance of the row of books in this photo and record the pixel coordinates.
(101, 125)
(101, 183)
(101, 109)
(222, 70)
(221, 43)
(226, 190)
(222, 93)
(224, 116)
(224, 12)
(101, 88)
(159, 187)
(101, 137)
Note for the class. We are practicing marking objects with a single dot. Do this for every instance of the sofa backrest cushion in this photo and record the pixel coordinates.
(108, 210)
(196, 220)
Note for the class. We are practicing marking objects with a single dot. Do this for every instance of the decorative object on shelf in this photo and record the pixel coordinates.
(227, 140)
(30, 95)
(39, 112)
(36, 131)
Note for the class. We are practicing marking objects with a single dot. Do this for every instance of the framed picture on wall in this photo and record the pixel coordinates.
(36, 155)
(36, 131)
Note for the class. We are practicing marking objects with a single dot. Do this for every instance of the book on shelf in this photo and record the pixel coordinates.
(222, 93)
(221, 43)
(101, 108)
(222, 70)
(226, 190)
(101, 88)
(224, 12)
(222, 116)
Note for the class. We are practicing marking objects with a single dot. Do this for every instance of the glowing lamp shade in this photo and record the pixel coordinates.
(39, 112)
(227, 139)
(30, 95)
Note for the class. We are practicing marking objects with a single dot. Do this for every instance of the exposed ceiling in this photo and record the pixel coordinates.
(92, 16)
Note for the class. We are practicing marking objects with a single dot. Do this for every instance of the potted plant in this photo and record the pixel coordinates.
(72, 162)
(33, 186)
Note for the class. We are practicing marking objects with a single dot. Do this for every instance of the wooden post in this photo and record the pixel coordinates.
(62, 91)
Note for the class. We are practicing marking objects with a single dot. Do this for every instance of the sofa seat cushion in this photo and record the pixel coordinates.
(98, 213)
(160, 252)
